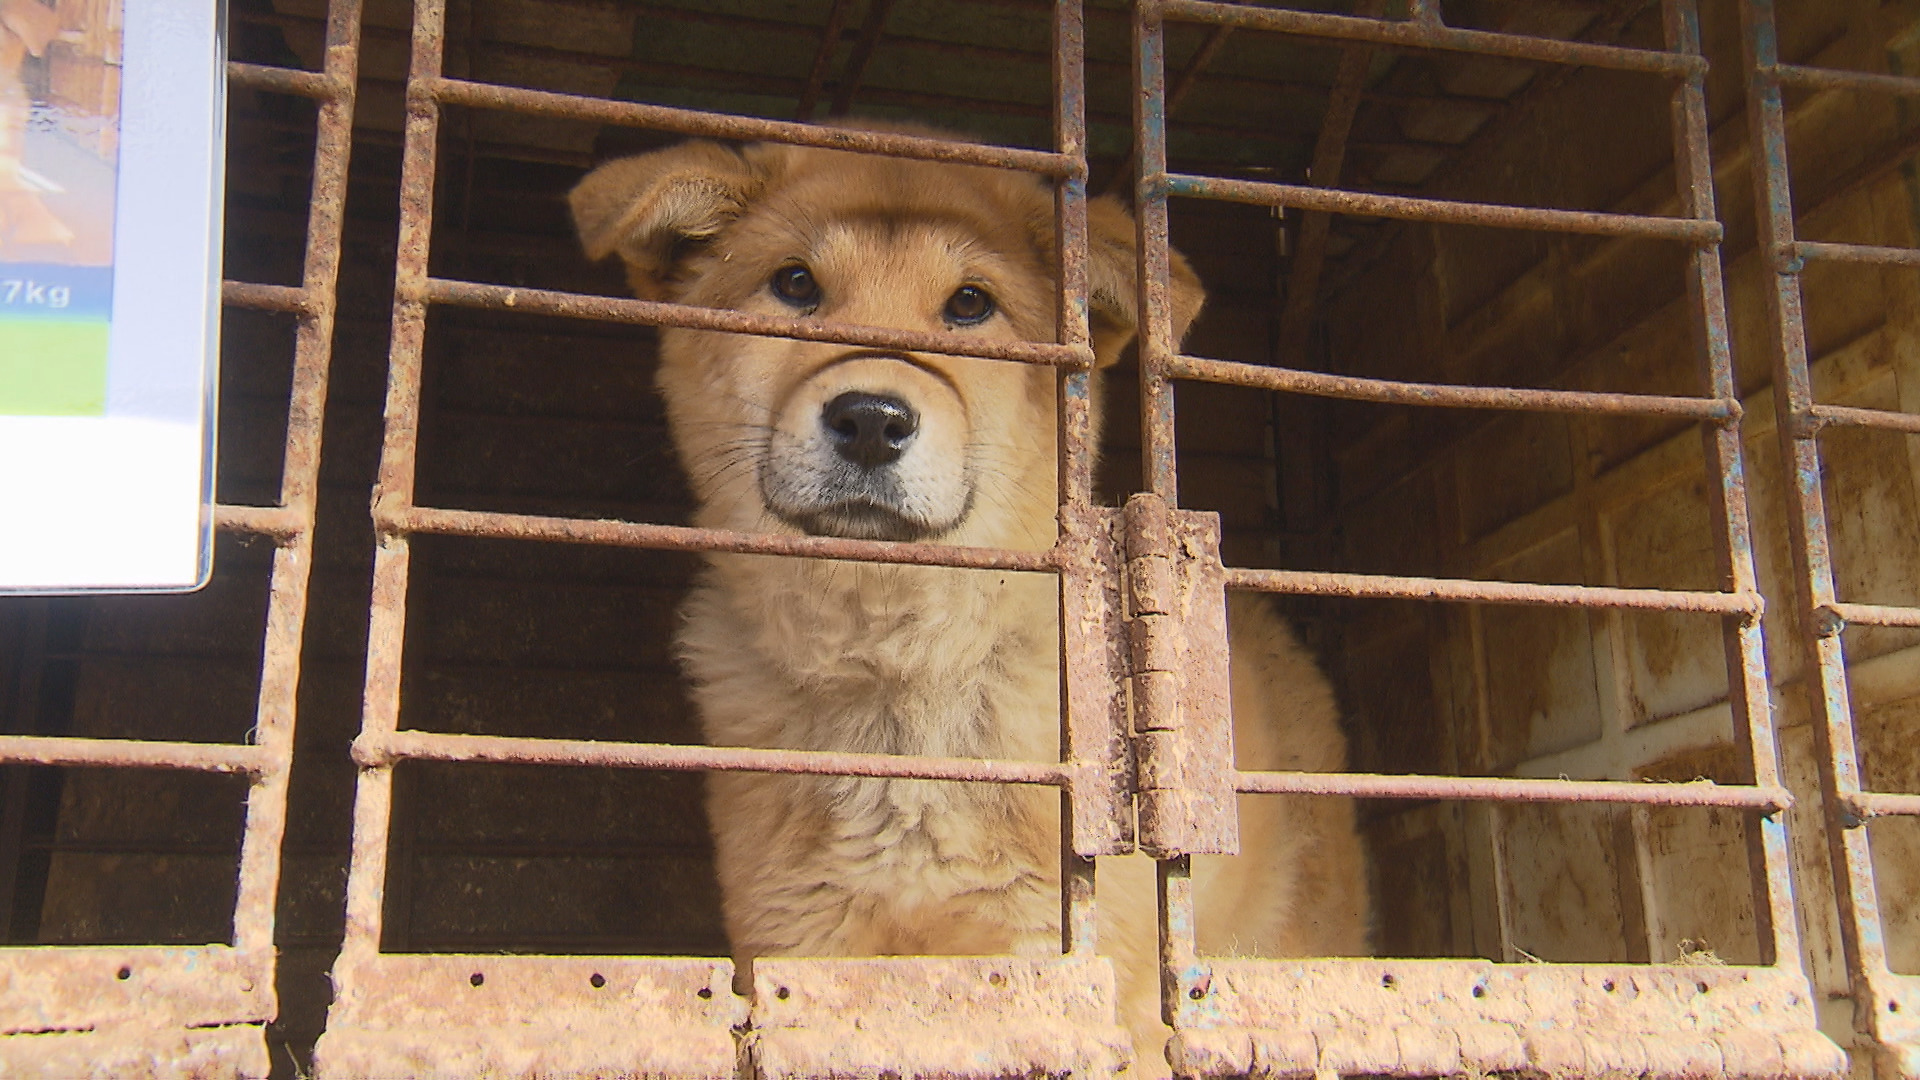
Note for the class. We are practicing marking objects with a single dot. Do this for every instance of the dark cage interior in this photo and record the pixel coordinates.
(540, 415)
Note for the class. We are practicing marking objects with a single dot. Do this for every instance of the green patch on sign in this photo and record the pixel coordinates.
(53, 367)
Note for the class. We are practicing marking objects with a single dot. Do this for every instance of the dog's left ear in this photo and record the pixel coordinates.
(1113, 299)
(648, 208)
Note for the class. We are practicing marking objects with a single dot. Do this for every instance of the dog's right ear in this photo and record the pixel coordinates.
(647, 208)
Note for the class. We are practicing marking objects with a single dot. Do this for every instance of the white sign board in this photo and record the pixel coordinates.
(112, 153)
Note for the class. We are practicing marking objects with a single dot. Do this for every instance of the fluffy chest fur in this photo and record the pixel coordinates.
(889, 660)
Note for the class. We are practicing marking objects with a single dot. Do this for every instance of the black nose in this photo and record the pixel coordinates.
(869, 430)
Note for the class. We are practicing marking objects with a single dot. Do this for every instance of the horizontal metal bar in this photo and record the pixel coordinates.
(476, 523)
(1421, 35)
(279, 524)
(307, 84)
(1490, 215)
(1465, 397)
(133, 753)
(1872, 614)
(1515, 789)
(1389, 587)
(246, 294)
(1864, 806)
(1854, 253)
(1848, 416)
(373, 750)
(719, 126)
(651, 313)
(1819, 78)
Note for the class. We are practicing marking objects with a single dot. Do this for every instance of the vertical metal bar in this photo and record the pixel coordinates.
(1183, 975)
(1076, 447)
(1828, 704)
(1178, 944)
(1747, 689)
(1183, 85)
(1079, 925)
(386, 629)
(299, 488)
(1150, 216)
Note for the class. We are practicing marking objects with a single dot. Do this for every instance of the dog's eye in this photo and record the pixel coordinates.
(794, 284)
(968, 305)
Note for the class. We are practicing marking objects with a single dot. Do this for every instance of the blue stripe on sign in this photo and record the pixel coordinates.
(52, 291)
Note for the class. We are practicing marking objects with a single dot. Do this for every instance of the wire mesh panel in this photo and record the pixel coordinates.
(201, 1011)
(1878, 991)
(1236, 1016)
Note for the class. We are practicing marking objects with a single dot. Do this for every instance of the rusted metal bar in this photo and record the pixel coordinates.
(398, 521)
(1426, 35)
(823, 58)
(289, 298)
(277, 523)
(652, 313)
(1749, 696)
(383, 750)
(1185, 977)
(258, 887)
(1182, 86)
(1826, 685)
(1076, 447)
(1391, 587)
(1848, 416)
(1096, 809)
(1489, 215)
(1372, 1017)
(1329, 157)
(1352, 388)
(1867, 614)
(318, 85)
(1864, 806)
(133, 754)
(536, 1016)
(1515, 790)
(1872, 254)
(1819, 78)
(140, 1008)
(863, 46)
(1153, 267)
(1180, 969)
(394, 486)
(721, 126)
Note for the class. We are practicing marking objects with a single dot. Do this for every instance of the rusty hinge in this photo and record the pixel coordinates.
(1093, 624)
(1177, 647)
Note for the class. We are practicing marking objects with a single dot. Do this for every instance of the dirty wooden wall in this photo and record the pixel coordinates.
(1620, 695)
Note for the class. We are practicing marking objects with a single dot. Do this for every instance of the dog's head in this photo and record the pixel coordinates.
(841, 441)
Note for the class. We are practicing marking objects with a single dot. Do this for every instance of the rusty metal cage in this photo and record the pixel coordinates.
(186, 1010)
(1142, 589)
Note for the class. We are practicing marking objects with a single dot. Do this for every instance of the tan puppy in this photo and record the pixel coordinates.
(801, 438)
